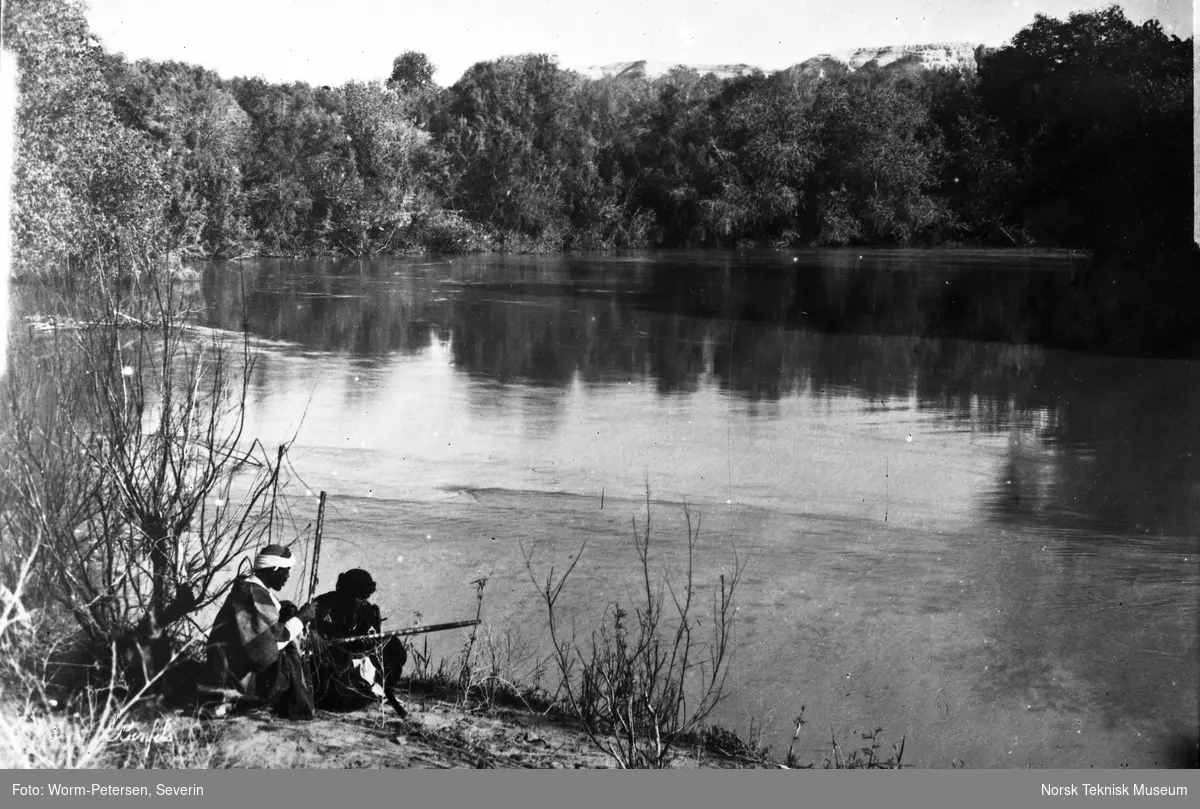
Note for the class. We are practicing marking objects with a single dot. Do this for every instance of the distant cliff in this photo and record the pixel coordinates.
(942, 54)
(895, 57)
(644, 69)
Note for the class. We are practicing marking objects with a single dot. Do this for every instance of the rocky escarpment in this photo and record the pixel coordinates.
(963, 55)
(938, 55)
(644, 69)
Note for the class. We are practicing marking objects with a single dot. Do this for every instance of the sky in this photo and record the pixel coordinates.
(328, 42)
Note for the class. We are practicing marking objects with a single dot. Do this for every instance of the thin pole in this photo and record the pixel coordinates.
(275, 492)
(316, 558)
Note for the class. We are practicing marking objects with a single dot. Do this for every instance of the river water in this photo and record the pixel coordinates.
(951, 528)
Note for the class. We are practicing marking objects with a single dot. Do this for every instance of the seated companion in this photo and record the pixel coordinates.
(353, 674)
(254, 646)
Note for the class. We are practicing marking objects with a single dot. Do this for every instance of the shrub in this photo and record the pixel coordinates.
(645, 683)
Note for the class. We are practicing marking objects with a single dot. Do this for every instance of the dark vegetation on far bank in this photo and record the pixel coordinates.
(1077, 133)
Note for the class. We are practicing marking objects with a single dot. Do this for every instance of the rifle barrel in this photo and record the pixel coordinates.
(411, 630)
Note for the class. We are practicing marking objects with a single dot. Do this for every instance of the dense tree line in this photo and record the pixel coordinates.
(1077, 133)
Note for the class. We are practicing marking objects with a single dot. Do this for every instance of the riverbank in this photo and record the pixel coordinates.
(439, 732)
(436, 735)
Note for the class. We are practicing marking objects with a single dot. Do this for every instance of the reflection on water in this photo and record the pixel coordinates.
(991, 540)
(1112, 444)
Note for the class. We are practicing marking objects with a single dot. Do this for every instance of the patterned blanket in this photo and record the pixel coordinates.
(245, 636)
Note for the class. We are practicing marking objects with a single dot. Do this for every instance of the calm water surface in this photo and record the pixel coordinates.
(952, 529)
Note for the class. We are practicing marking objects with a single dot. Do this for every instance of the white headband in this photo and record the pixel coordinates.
(266, 561)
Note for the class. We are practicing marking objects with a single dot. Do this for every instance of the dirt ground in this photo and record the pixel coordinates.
(435, 734)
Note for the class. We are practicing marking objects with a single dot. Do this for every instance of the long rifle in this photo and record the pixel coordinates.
(313, 579)
(410, 630)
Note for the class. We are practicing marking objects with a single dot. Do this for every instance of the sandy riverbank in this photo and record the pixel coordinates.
(437, 733)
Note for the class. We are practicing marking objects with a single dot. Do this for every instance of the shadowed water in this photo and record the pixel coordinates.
(953, 527)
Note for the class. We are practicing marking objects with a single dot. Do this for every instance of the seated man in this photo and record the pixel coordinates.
(253, 649)
(353, 674)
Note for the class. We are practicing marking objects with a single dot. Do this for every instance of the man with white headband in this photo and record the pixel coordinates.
(253, 649)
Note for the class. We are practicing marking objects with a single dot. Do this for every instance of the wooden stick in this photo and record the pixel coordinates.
(412, 630)
(316, 559)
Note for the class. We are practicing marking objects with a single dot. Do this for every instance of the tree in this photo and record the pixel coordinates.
(508, 135)
(604, 191)
(765, 152)
(676, 158)
(1098, 114)
(877, 154)
(89, 195)
(389, 152)
(412, 79)
(202, 136)
(123, 468)
(301, 181)
(977, 178)
(411, 72)
(120, 431)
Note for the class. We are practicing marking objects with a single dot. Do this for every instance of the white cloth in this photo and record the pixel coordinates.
(266, 561)
(366, 670)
